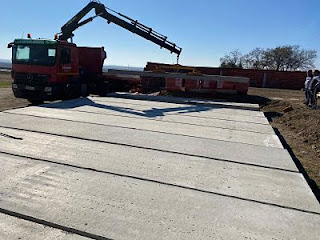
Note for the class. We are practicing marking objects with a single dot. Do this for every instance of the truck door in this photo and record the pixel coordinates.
(68, 73)
(65, 67)
(68, 66)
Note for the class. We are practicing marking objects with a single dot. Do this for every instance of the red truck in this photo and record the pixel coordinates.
(57, 69)
(49, 69)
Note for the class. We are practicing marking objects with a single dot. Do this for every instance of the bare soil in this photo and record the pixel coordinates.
(7, 100)
(5, 80)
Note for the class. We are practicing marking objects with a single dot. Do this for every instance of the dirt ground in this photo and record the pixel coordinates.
(5, 80)
(299, 128)
(7, 100)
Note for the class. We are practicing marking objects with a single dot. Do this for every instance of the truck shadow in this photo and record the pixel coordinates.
(149, 113)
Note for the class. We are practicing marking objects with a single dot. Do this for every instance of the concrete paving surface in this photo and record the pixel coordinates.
(145, 167)
(16, 228)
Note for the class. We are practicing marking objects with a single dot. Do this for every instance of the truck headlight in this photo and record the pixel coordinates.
(48, 89)
(15, 86)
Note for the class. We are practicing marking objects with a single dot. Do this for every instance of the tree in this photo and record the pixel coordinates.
(279, 57)
(232, 60)
(301, 59)
(255, 59)
(282, 58)
(291, 58)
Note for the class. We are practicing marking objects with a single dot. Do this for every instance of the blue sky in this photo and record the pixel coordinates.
(205, 29)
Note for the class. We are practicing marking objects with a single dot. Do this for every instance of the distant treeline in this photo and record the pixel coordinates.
(282, 58)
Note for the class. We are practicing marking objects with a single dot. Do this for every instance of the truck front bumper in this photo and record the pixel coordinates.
(35, 92)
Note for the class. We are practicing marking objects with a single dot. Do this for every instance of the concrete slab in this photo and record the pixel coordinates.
(153, 112)
(187, 120)
(126, 208)
(156, 113)
(278, 187)
(210, 148)
(202, 108)
(14, 228)
(127, 169)
(232, 135)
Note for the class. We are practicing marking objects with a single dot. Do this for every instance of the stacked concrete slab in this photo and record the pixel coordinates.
(145, 167)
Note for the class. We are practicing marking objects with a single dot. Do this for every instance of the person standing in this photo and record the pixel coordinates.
(314, 88)
(316, 91)
(306, 87)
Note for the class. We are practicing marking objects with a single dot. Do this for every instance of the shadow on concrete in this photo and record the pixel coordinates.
(150, 113)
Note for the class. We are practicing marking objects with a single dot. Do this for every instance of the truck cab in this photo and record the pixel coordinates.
(52, 69)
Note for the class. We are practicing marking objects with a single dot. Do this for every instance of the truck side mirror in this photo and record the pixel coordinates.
(10, 45)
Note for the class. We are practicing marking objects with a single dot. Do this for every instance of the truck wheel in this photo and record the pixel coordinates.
(36, 101)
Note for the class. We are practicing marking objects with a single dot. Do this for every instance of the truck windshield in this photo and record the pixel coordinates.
(34, 54)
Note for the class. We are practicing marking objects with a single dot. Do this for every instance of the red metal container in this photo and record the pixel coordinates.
(92, 59)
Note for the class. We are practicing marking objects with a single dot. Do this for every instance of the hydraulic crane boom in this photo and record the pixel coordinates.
(125, 22)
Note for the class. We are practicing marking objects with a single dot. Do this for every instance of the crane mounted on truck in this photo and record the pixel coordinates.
(59, 69)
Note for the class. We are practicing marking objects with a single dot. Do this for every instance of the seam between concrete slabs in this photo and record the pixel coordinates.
(155, 149)
(145, 130)
(52, 225)
(161, 182)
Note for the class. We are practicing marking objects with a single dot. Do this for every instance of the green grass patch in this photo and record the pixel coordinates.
(5, 84)
(5, 80)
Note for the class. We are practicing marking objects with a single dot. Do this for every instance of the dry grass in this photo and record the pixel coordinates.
(7, 100)
(5, 80)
